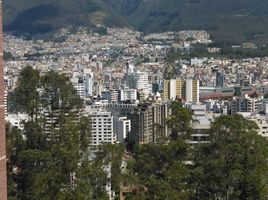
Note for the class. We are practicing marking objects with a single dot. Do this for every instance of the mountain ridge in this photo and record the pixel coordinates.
(228, 21)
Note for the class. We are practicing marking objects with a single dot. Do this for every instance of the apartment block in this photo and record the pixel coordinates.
(142, 124)
(187, 90)
(102, 129)
(243, 104)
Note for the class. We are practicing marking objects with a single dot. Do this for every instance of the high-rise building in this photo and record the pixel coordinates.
(174, 88)
(83, 85)
(98, 88)
(142, 124)
(3, 172)
(88, 85)
(130, 81)
(161, 111)
(219, 79)
(188, 90)
(123, 129)
(166, 90)
(192, 91)
(142, 83)
(102, 128)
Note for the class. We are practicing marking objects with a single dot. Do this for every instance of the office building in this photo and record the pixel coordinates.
(142, 83)
(219, 79)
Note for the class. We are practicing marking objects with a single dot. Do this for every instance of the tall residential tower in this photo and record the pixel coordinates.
(3, 174)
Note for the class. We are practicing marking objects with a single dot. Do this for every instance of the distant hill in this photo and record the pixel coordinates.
(227, 20)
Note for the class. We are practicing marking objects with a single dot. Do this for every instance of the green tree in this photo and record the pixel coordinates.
(111, 155)
(180, 121)
(161, 169)
(234, 164)
(26, 96)
(50, 161)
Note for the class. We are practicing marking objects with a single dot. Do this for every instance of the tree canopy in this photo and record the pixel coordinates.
(49, 158)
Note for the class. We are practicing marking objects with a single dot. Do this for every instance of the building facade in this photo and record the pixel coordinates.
(187, 90)
(219, 79)
(3, 172)
(142, 124)
(161, 111)
(123, 129)
(128, 95)
(243, 104)
(102, 129)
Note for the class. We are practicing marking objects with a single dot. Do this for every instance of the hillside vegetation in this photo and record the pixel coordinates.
(228, 20)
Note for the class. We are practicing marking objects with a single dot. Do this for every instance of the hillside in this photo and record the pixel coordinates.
(34, 16)
(228, 20)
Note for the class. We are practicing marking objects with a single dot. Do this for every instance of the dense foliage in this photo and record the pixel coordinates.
(49, 158)
(48, 161)
(232, 166)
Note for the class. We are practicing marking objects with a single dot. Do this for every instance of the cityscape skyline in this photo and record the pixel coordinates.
(113, 113)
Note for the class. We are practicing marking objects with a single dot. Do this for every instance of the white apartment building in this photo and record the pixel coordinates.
(123, 129)
(202, 125)
(192, 90)
(80, 88)
(172, 89)
(243, 104)
(142, 82)
(83, 85)
(102, 128)
(128, 95)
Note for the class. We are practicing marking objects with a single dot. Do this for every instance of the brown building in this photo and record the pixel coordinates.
(3, 174)
(142, 124)
(161, 111)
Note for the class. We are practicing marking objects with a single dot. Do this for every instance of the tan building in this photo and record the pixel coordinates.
(166, 90)
(187, 90)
